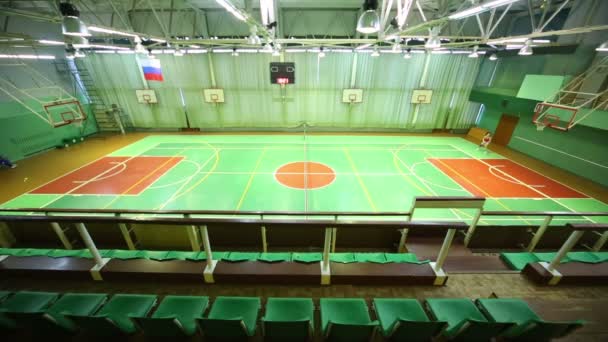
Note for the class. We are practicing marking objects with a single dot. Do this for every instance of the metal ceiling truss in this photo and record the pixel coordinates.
(433, 15)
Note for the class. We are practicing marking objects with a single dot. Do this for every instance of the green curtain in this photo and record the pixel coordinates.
(316, 97)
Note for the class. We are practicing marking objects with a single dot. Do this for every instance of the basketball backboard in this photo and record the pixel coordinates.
(352, 95)
(146, 96)
(422, 96)
(214, 95)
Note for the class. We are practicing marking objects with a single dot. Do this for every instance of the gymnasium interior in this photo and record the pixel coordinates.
(318, 170)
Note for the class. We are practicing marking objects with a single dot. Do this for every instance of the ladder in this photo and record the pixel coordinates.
(106, 120)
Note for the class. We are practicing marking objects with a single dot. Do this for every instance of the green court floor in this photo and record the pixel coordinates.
(372, 173)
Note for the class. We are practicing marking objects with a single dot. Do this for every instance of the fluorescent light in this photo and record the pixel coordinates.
(169, 51)
(479, 9)
(105, 30)
(178, 53)
(109, 47)
(321, 53)
(276, 53)
(440, 52)
(295, 50)
(126, 52)
(341, 50)
(474, 54)
(407, 55)
(105, 51)
(461, 52)
(50, 42)
(155, 52)
(234, 53)
(27, 56)
(158, 40)
(197, 51)
(602, 47)
(230, 8)
(493, 57)
(247, 50)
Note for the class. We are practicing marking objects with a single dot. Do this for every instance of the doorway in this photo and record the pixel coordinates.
(505, 129)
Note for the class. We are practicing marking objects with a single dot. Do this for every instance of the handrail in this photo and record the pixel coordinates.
(253, 222)
(286, 213)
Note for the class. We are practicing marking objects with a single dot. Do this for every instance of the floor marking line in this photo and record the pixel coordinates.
(124, 167)
(426, 181)
(250, 181)
(526, 185)
(562, 152)
(359, 179)
(177, 193)
(196, 166)
(141, 180)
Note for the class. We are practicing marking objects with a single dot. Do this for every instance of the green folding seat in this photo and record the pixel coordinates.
(405, 320)
(52, 321)
(288, 319)
(114, 318)
(465, 321)
(529, 326)
(4, 295)
(231, 318)
(174, 317)
(346, 319)
(24, 301)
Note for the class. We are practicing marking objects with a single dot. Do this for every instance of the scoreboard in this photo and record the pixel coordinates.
(282, 73)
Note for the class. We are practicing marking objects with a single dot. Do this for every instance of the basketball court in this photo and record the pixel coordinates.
(307, 174)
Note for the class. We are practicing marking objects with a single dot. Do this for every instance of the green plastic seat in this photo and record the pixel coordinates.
(529, 326)
(288, 319)
(231, 318)
(114, 318)
(175, 316)
(274, 257)
(344, 258)
(465, 321)
(23, 302)
(240, 256)
(405, 320)
(53, 321)
(4, 295)
(307, 258)
(377, 258)
(346, 319)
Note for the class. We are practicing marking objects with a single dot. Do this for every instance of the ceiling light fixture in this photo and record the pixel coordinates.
(602, 47)
(375, 53)
(71, 24)
(234, 53)
(493, 57)
(50, 42)
(369, 21)
(479, 9)
(230, 8)
(474, 54)
(321, 53)
(526, 50)
(178, 52)
(407, 54)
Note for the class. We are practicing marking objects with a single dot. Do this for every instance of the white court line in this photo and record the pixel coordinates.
(196, 165)
(413, 169)
(562, 152)
(270, 173)
(297, 148)
(124, 167)
(526, 185)
(87, 182)
(495, 167)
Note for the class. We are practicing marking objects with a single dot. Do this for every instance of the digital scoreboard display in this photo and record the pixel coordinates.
(282, 73)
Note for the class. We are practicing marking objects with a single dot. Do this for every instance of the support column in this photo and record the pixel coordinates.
(539, 233)
(440, 274)
(61, 235)
(334, 233)
(264, 241)
(194, 243)
(6, 236)
(99, 261)
(600, 242)
(210, 267)
(325, 269)
(124, 230)
(472, 228)
(564, 249)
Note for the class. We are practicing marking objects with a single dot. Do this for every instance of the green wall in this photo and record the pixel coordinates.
(23, 134)
(582, 150)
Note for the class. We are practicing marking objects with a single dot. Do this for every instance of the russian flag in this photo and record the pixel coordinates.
(152, 70)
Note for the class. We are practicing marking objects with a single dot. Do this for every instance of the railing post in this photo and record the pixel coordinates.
(61, 235)
(539, 233)
(334, 232)
(88, 241)
(325, 269)
(192, 237)
(264, 241)
(600, 242)
(208, 272)
(124, 230)
(440, 274)
(472, 228)
(564, 249)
